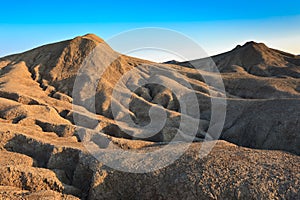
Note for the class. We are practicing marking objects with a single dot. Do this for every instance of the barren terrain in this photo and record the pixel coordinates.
(41, 145)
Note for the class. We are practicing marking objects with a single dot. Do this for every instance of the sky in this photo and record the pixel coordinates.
(217, 26)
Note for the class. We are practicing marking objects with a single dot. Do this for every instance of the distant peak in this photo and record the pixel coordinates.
(252, 45)
(93, 37)
(238, 46)
(171, 62)
(255, 44)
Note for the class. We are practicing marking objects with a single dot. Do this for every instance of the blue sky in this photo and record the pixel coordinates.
(217, 26)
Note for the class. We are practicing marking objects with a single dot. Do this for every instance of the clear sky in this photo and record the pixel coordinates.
(217, 26)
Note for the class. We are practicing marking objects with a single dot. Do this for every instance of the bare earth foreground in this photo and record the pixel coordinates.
(42, 151)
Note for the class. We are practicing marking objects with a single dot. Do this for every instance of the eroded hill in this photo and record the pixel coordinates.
(42, 149)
